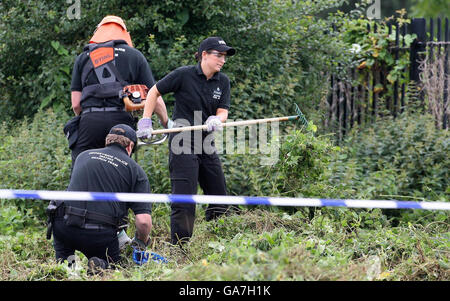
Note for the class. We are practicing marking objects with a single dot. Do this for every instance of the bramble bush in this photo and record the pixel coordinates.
(406, 157)
(402, 159)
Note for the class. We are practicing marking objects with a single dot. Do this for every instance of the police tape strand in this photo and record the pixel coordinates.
(217, 199)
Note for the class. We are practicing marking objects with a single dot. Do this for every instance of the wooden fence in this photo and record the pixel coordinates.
(351, 103)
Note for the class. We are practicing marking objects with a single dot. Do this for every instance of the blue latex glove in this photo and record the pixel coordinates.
(213, 123)
(140, 257)
(144, 128)
(158, 258)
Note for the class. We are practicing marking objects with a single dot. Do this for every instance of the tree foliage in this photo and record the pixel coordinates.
(430, 8)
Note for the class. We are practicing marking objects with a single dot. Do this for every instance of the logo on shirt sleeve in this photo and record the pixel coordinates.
(217, 93)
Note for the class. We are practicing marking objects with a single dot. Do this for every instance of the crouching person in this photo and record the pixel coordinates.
(92, 226)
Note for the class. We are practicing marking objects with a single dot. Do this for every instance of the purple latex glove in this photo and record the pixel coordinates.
(144, 128)
(213, 123)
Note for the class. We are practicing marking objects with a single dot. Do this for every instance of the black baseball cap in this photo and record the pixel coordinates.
(216, 43)
(125, 130)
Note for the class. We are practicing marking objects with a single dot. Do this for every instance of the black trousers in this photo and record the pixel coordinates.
(186, 172)
(101, 243)
(95, 126)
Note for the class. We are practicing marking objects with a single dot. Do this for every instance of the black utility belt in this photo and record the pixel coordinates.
(103, 109)
(85, 219)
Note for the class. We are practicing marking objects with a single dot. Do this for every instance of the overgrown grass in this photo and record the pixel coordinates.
(257, 244)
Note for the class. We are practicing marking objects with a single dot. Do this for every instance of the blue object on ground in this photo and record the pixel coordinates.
(141, 257)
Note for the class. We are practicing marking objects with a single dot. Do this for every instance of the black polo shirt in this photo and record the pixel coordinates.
(130, 62)
(193, 92)
(109, 169)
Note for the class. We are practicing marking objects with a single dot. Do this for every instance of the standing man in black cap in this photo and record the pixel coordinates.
(91, 226)
(202, 96)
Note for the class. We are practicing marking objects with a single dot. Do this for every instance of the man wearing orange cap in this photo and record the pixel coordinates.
(108, 63)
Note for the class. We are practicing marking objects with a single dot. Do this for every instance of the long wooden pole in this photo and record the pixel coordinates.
(225, 124)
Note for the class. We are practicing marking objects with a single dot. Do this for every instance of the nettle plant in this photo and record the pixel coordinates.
(374, 48)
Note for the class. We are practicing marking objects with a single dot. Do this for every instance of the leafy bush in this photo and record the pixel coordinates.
(12, 220)
(407, 157)
(34, 155)
(372, 48)
(296, 162)
(402, 159)
(154, 160)
(304, 159)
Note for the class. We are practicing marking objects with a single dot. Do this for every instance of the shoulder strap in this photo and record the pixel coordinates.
(102, 60)
(100, 57)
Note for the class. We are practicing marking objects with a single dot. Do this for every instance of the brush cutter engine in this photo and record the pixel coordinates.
(134, 97)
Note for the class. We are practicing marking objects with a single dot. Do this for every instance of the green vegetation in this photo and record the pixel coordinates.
(286, 52)
(262, 243)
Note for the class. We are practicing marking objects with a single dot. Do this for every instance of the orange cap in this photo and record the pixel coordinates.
(113, 19)
(111, 28)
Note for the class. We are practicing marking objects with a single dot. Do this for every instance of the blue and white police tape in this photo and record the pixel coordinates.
(217, 199)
